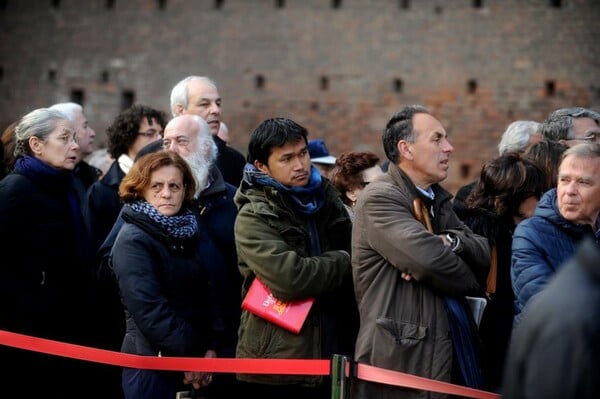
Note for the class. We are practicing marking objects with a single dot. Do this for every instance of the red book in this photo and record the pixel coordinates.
(289, 315)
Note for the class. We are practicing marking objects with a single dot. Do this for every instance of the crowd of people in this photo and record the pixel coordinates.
(153, 252)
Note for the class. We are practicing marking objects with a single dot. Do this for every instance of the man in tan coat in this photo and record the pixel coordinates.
(413, 264)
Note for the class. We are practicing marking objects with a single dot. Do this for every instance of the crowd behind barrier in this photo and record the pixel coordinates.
(388, 266)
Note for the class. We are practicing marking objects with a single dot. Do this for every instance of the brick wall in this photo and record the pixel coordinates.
(341, 72)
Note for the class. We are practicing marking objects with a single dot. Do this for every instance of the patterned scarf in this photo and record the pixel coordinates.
(183, 225)
(306, 199)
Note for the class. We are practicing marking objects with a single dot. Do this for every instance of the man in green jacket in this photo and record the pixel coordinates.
(293, 233)
(413, 263)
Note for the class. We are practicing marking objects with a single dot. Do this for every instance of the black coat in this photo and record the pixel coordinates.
(164, 286)
(44, 284)
(496, 325)
(103, 205)
(230, 162)
(555, 348)
(216, 213)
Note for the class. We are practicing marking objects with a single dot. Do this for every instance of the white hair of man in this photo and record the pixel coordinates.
(70, 110)
(201, 160)
(518, 136)
(179, 93)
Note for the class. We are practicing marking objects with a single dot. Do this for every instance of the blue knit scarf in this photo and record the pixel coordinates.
(60, 180)
(183, 225)
(307, 199)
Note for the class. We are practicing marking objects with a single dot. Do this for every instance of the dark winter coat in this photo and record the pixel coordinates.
(44, 284)
(404, 324)
(103, 205)
(230, 162)
(215, 212)
(495, 328)
(165, 289)
(45, 277)
(555, 349)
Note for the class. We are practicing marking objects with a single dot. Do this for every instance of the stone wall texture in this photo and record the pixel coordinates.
(341, 68)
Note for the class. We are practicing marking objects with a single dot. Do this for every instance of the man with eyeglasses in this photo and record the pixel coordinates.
(130, 131)
(572, 126)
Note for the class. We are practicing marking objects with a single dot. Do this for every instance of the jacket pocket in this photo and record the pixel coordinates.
(403, 333)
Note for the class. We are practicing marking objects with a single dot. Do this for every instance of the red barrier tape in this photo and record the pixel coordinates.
(384, 376)
(249, 366)
(227, 365)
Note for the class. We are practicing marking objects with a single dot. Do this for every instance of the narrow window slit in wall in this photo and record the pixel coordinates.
(77, 96)
(127, 99)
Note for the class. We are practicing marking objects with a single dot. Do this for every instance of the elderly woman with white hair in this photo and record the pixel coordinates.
(44, 287)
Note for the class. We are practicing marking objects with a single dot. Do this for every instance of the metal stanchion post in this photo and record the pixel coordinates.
(339, 381)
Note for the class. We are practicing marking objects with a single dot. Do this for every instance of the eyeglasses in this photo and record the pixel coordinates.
(174, 188)
(150, 133)
(592, 138)
(67, 136)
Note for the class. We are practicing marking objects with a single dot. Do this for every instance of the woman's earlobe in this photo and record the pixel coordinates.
(35, 145)
(352, 196)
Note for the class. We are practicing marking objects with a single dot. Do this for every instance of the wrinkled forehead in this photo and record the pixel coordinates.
(202, 89)
(181, 128)
(64, 126)
(580, 165)
(583, 127)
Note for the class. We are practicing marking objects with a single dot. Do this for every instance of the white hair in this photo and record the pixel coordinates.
(517, 135)
(70, 110)
(201, 160)
(179, 93)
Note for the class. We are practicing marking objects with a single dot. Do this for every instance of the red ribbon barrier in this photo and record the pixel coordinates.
(235, 365)
(390, 377)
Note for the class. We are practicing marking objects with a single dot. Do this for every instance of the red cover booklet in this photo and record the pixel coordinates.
(289, 315)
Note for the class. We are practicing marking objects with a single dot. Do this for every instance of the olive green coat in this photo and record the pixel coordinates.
(273, 243)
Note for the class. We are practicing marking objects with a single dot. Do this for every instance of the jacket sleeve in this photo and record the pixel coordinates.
(530, 270)
(475, 248)
(269, 247)
(406, 244)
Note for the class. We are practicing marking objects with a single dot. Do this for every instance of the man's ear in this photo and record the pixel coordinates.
(178, 109)
(262, 167)
(404, 149)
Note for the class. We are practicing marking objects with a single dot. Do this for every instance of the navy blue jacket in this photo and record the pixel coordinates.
(216, 213)
(165, 288)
